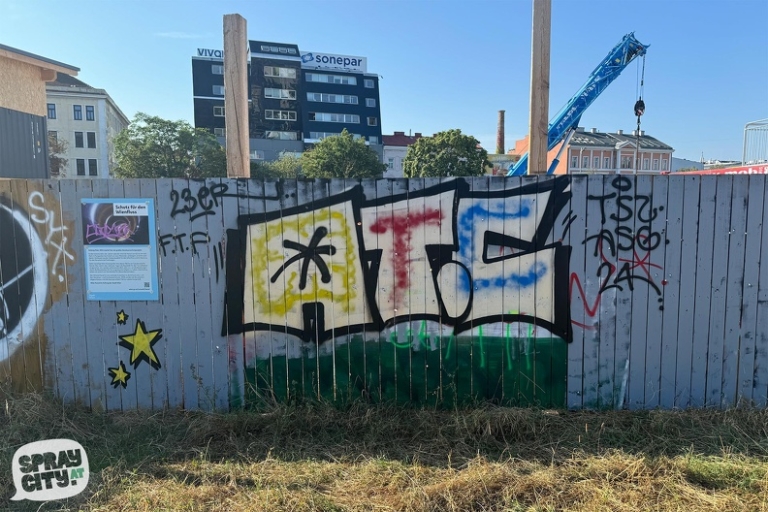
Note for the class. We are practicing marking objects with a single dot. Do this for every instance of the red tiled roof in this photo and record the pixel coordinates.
(400, 139)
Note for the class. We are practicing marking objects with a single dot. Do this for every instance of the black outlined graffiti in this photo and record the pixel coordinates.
(24, 278)
(140, 343)
(120, 375)
(365, 278)
(207, 199)
(624, 244)
(183, 242)
(307, 253)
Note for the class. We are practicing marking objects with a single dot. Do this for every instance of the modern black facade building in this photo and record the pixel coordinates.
(296, 98)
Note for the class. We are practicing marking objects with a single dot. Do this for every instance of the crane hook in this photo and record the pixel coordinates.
(639, 107)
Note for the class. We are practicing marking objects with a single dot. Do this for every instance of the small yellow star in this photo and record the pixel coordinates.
(120, 376)
(122, 317)
(140, 344)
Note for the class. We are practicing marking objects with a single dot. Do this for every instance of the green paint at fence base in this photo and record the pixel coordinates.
(459, 371)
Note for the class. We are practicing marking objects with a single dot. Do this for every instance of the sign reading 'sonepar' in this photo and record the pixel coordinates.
(48, 470)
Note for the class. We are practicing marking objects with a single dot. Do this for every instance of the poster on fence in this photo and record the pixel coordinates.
(120, 251)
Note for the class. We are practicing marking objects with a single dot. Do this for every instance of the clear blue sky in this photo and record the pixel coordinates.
(445, 64)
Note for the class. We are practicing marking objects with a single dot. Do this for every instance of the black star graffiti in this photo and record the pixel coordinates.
(309, 253)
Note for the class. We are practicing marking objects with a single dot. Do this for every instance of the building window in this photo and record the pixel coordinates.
(596, 162)
(91, 139)
(664, 165)
(218, 111)
(646, 164)
(51, 111)
(280, 115)
(217, 69)
(391, 163)
(257, 154)
(626, 162)
(279, 72)
(79, 139)
(368, 83)
(52, 135)
(218, 90)
(574, 162)
(585, 162)
(81, 167)
(373, 140)
(89, 114)
(655, 164)
(607, 162)
(334, 118)
(78, 110)
(370, 102)
(275, 135)
(332, 98)
(92, 167)
(280, 94)
(372, 121)
(220, 132)
(331, 79)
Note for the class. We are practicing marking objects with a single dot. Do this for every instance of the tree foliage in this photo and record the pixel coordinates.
(448, 153)
(341, 156)
(288, 165)
(152, 147)
(57, 150)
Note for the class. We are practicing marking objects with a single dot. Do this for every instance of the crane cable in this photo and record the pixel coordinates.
(639, 111)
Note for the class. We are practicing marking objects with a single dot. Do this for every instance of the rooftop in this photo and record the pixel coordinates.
(36, 60)
(400, 139)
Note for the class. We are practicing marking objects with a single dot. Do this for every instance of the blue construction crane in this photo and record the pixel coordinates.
(565, 122)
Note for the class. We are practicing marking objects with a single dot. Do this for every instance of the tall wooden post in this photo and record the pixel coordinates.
(538, 125)
(236, 96)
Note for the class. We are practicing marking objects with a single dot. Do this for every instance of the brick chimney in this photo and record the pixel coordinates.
(500, 134)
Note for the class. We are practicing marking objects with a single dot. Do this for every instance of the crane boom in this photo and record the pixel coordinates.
(569, 116)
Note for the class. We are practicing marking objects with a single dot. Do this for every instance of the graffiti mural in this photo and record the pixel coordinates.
(24, 278)
(352, 265)
(569, 291)
(623, 245)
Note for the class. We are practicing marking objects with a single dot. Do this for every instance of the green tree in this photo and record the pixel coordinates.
(448, 153)
(152, 147)
(341, 156)
(57, 150)
(288, 166)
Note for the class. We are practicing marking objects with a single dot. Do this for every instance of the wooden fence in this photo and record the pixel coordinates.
(576, 291)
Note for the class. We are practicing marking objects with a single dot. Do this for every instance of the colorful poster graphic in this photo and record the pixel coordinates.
(120, 253)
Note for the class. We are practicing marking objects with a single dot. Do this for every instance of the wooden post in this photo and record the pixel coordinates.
(538, 126)
(236, 96)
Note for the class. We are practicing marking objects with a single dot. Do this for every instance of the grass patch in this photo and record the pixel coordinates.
(317, 457)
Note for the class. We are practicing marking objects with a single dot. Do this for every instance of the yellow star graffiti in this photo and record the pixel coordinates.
(140, 344)
(122, 317)
(120, 376)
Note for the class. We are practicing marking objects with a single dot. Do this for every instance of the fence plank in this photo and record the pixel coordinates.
(760, 391)
(672, 290)
(574, 227)
(734, 289)
(687, 291)
(703, 287)
(639, 265)
(749, 305)
(653, 352)
(718, 290)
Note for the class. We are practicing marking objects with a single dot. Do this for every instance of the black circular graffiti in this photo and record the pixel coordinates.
(23, 279)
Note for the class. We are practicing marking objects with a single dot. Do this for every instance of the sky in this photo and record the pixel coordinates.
(443, 64)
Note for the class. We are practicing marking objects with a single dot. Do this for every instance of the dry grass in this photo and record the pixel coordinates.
(365, 457)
